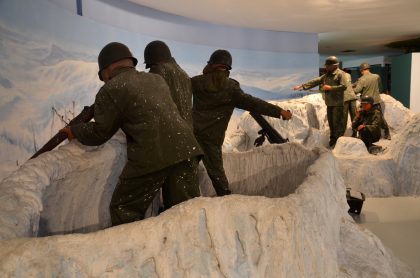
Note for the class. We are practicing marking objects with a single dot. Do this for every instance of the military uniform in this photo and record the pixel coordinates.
(180, 85)
(161, 148)
(334, 99)
(372, 119)
(215, 96)
(369, 85)
(349, 103)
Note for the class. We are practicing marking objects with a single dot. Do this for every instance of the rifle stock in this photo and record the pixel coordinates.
(85, 116)
(267, 131)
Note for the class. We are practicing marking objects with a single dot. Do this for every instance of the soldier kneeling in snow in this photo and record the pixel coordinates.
(368, 123)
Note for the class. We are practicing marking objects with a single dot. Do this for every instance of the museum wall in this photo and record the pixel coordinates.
(48, 68)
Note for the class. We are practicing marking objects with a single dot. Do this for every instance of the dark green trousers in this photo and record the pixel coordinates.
(384, 125)
(335, 122)
(132, 196)
(367, 137)
(213, 161)
(349, 107)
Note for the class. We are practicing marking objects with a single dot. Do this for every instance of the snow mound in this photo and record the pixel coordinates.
(61, 191)
(396, 115)
(305, 234)
(395, 172)
(406, 155)
(350, 146)
(309, 125)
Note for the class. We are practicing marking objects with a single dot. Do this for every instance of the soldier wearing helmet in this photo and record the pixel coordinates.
(160, 144)
(369, 84)
(159, 60)
(333, 83)
(215, 96)
(368, 122)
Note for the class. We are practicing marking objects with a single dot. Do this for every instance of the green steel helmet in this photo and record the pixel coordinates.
(156, 52)
(332, 61)
(221, 56)
(111, 53)
(364, 66)
(367, 99)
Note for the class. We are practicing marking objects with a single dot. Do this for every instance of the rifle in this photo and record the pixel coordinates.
(267, 131)
(85, 116)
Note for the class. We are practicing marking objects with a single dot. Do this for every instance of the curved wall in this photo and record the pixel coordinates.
(49, 71)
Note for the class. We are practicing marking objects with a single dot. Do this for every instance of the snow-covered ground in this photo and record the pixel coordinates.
(304, 231)
(293, 223)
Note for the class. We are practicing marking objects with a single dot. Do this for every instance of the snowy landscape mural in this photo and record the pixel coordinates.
(48, 72)
(287, 216)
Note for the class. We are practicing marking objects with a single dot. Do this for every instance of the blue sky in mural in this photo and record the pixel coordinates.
(48, 70)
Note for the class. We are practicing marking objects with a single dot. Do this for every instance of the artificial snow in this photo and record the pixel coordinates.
(302, 234)
(287, 217)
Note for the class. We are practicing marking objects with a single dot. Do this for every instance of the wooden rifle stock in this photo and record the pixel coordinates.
(267, 131)
(85, 116)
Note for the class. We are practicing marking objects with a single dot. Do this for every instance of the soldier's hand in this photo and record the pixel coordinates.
(286, 114)
(326, 87)
(68, 132)
(360, 127)
(298, 87)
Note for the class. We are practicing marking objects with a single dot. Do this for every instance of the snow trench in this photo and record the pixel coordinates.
(303, 234)
(272, 171)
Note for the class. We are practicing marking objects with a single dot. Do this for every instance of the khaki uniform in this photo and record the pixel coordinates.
(215, 96)
(372, 120)
(157, 139)
(334, 100)
(370, 85)
(350, 106)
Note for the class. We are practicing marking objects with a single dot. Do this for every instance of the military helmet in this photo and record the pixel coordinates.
(367, 99)
(364, 66)
(221, 56)
(111, 53)
(332, 61)
(156, 52)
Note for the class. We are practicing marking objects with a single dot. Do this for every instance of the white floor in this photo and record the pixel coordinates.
(396, 221)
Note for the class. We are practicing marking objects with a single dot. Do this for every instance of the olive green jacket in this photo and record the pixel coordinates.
(180, 85)
(369, 84)
(337, 81)
(349, 93)
(212, 108)
(371, 119)
(140, 104)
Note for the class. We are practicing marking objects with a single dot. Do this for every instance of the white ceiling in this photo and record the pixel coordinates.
(362, 25)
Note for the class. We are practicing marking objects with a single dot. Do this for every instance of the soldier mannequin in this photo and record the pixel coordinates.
(215, 96)
(333, 83)
(160, 145)
(159, 60)
(370, 85)
(350, 105)
(368, 122)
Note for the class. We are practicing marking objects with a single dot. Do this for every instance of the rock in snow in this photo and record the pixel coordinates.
(287, 218)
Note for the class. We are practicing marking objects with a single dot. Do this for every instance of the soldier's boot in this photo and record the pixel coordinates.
(374, 149)
(387, 135)
(222, 191)
(332, 142)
